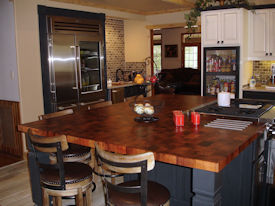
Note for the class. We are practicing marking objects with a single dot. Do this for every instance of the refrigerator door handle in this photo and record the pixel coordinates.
(52, 88)
(79, 66)
(75, 69)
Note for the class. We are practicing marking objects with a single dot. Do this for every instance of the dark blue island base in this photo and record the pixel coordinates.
(231, 186)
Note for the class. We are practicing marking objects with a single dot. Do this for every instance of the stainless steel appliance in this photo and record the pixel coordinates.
(263, 176)
(221, 70)
(244, 108)
(76, 62)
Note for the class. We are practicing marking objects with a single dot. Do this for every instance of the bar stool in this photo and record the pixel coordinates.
(139, 192)
(62, 179)
(75, 153)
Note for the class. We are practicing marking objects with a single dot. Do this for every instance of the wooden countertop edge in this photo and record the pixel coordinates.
(127, 85)
(166, 158)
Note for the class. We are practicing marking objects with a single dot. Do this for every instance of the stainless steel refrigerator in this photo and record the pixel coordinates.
(76, 63)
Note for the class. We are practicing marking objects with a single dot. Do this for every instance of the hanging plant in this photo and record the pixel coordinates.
(201, 5)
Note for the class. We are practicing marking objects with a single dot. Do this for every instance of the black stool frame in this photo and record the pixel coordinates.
(142, 188)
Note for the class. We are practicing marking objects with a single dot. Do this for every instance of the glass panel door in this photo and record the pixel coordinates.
(90, 66)
(221, 70)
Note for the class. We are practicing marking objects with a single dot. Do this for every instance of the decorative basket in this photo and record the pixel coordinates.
(146, 109)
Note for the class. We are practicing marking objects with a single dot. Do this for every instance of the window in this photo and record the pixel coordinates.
(157, 53)
(157, 58)
(191, 47)
(191, 57)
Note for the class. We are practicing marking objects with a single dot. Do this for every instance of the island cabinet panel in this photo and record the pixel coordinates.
(231, 186)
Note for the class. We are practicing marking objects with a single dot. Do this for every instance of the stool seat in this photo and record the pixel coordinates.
(74, 172)
(157, 195)
(75, 153)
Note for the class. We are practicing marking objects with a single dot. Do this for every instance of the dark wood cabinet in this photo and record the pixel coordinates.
(259, 95)
(134, 91)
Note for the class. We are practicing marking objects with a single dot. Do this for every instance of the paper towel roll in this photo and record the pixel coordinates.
(224, 99)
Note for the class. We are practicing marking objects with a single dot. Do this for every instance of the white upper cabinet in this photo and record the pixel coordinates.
(262, 34)
(272, 32)
(221, 27)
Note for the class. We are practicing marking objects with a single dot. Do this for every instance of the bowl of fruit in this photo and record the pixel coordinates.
(146, 109)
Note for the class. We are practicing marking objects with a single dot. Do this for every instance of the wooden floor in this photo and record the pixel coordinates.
(6, 159)
(15, 188)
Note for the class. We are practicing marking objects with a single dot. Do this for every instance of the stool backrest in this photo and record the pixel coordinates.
(127, 164)
(49, 144)
(56, 114)
(99, 105)
(55, 144)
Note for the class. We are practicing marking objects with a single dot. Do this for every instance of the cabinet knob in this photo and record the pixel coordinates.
(266, 54)
(270, 54)
(222, 42)
(218, 42)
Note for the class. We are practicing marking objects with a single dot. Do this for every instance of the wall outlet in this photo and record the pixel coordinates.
(12, 75)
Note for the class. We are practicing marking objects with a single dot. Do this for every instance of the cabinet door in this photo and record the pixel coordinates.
(210, 30)
(259, 32)
(230, 27)
(272, 32)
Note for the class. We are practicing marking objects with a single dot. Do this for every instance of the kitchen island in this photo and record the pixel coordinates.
(202, 165)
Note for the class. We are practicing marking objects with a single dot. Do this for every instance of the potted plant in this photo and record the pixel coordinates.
(202, 5)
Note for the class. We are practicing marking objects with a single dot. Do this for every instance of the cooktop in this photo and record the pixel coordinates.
(245, 108)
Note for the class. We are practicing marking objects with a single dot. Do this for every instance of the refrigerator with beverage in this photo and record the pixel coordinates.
(76, 63)
(221, 70)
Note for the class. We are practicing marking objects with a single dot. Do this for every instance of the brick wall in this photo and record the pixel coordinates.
(262, 71)
(115, 50)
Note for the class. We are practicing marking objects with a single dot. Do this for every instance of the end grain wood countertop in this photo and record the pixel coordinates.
(114, 128)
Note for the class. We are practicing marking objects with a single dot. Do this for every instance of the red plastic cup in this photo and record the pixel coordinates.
(178, 118)
(192, 116)
(196, 119)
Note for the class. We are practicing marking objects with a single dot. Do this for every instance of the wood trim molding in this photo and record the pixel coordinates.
(10, 138)
(166, 26)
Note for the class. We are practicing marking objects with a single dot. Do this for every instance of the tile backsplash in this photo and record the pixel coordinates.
(115, 50)
(262, 71)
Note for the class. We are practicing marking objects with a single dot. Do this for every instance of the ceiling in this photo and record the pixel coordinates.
(146, 7)
(143, 7)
